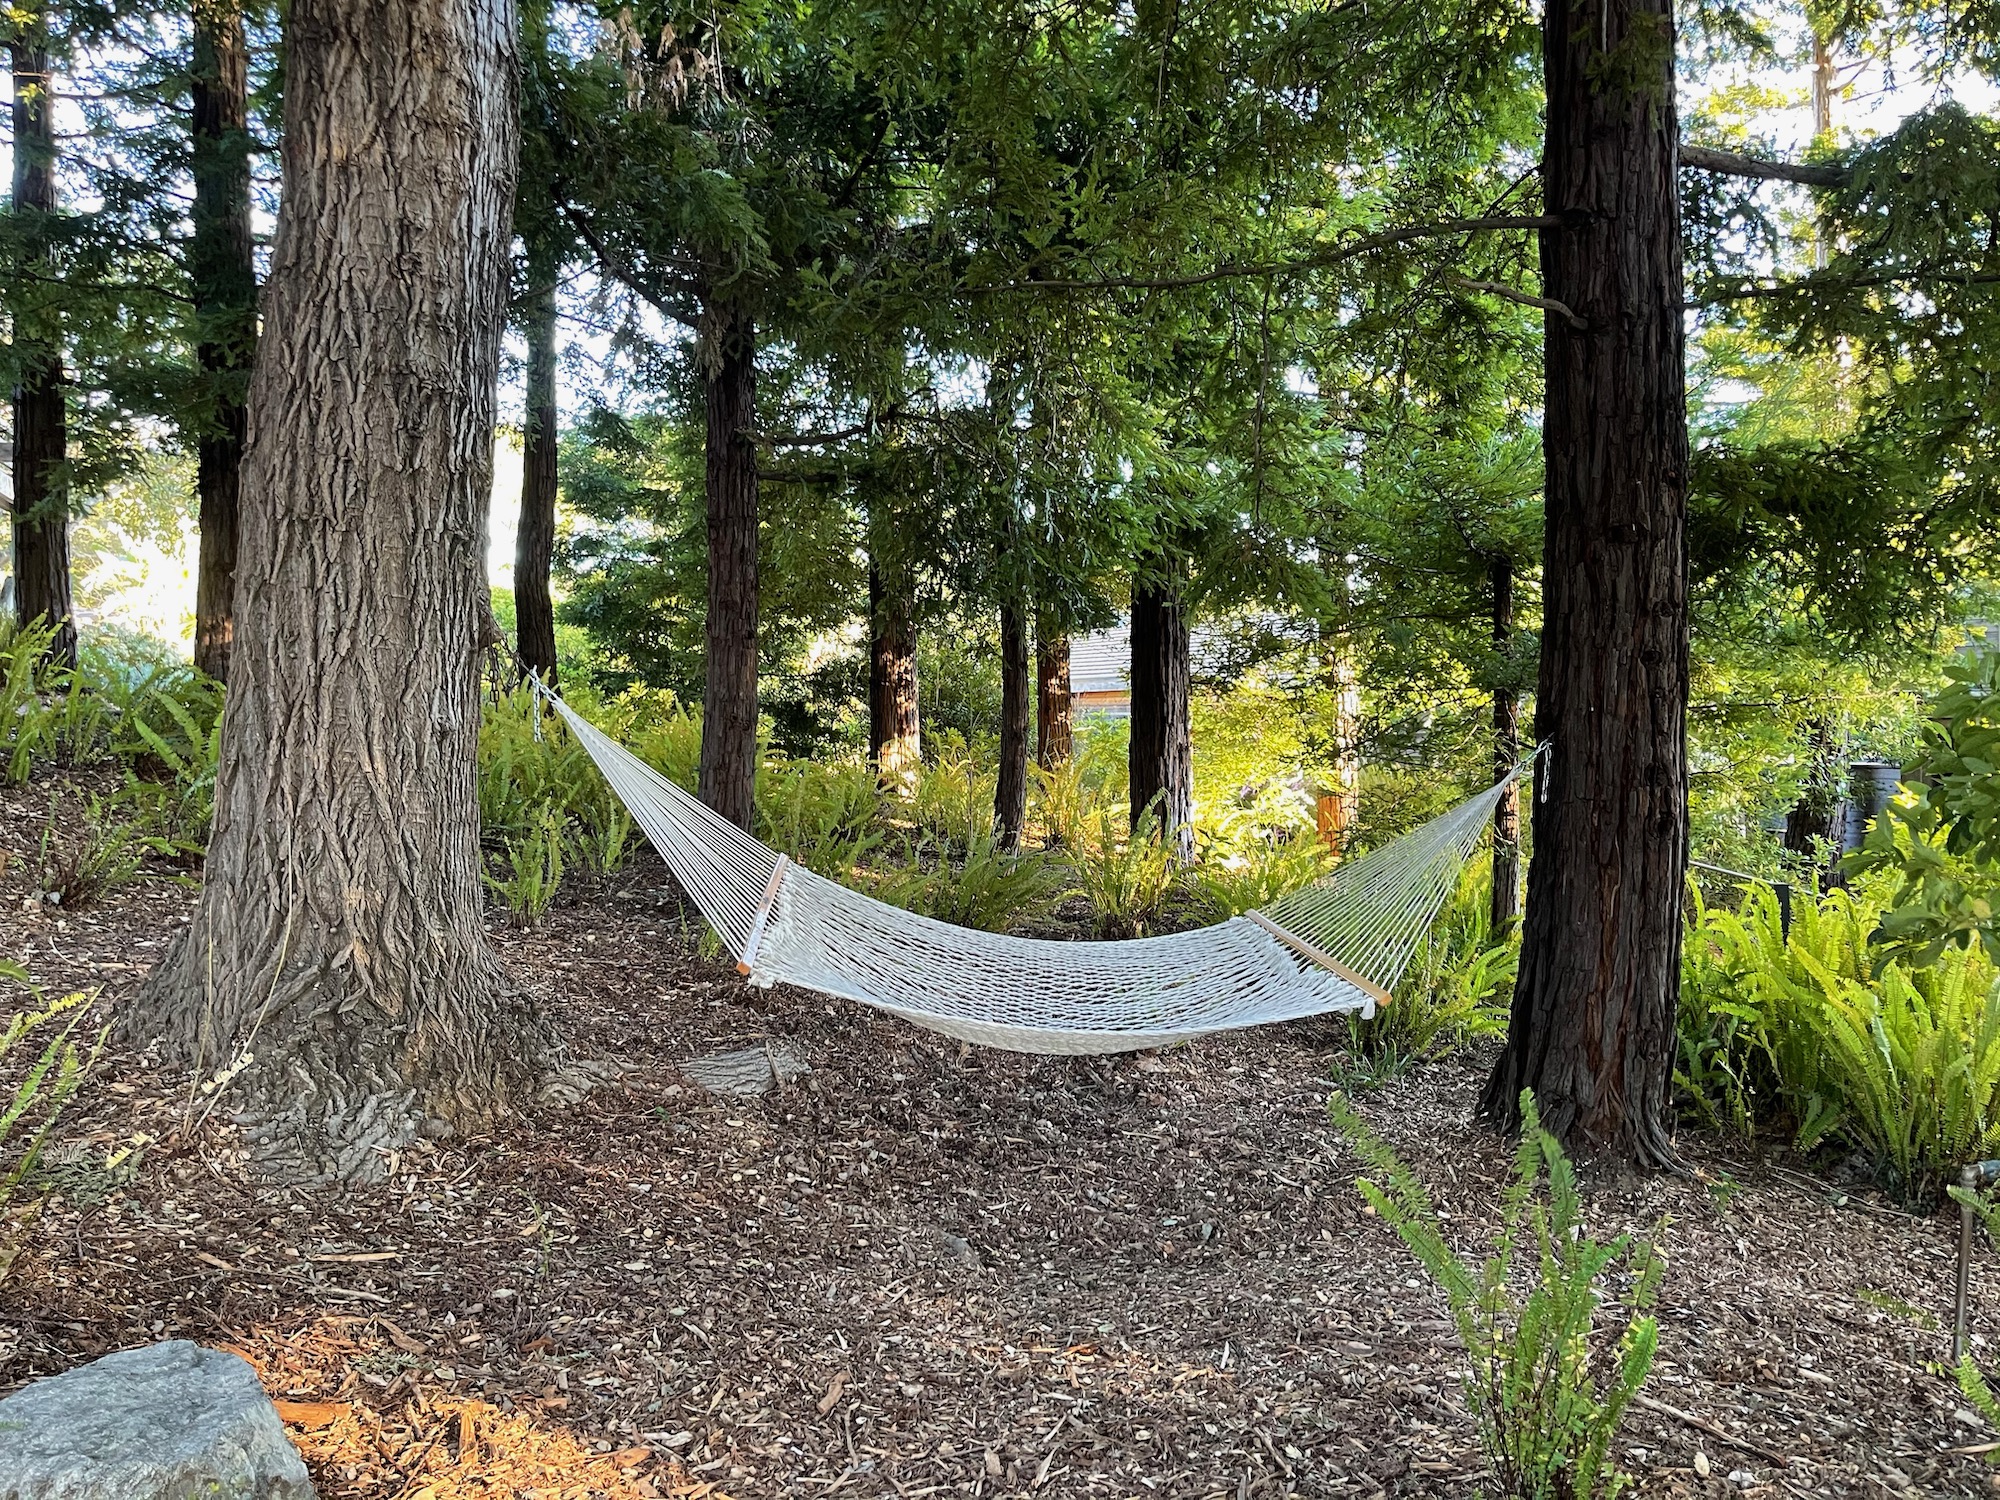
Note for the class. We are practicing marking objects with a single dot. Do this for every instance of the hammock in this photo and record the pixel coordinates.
(1339, 945)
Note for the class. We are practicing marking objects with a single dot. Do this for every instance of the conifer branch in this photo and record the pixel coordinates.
(1735, 164)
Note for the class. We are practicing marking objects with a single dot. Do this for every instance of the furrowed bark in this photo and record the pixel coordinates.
(729, 705)
(41, 422)
(1010, 791)
(1592, 1024)
(895, 740)
(1506, 904)
(1161, 759)
(222, 273)
(338, 942)
(535, 533)
(1054, 735)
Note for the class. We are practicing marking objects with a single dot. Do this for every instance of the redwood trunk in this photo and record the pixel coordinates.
(1162, 753)
(222, 272)
(729, 707)
(1054, 737)
(1010, 790)
(895, 741)
(535, 533)
(41, 425)
(339, 939)
(1592, 1028)
(1506, 908)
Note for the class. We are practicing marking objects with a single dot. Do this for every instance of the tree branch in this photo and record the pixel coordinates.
(863, 428)
(1526, 299)
(1841, 284)
(1734, 164)
(626, 277)
(1330, 255)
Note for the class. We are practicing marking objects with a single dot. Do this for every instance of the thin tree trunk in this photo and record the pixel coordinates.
(1162, 751)
(1010, 791)
(339, 940)
(1506, 908)
(895, 740)
(41, 425)
(1339, 809)
(535, 534)
(1592, 1027)
(729, 706)
(222, 272)
(1054, 735)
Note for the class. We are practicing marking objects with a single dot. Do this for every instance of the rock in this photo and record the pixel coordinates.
(164, 1422)
(745, 1072)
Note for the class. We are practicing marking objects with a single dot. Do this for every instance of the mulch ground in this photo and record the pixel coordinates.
(923, 1270)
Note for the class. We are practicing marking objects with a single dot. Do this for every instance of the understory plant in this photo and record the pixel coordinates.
(824, 817)
(1130, 879)
(1824, 1029)
(987, 887)
(1545, 1390)
(37, 1099)
(75, 866)
(531, 868)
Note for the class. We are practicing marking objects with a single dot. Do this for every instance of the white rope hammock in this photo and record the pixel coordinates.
(1339, 945)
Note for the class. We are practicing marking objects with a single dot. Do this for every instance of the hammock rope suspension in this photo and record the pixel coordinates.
(1338, 945)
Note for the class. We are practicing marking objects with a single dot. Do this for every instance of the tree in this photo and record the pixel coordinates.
(541, 440)
(222, 275)
(41, 423)
(729, 700)
(338, 938)
(1053, 732)
(1592, 1023)
(1010, 787)
(1162, 749)
(895, 730)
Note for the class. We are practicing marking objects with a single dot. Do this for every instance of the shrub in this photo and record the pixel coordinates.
(952, 797)
(1545, 1396)
(74, 868)
(988, 888)
(37, 1101)
(531, 869)
(1130, 880)
(1246, 875)
(27, 725)
(1902, 1064)
(1456, 987)
(824, 817)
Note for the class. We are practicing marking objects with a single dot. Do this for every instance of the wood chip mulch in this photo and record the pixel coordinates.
(925, 1270)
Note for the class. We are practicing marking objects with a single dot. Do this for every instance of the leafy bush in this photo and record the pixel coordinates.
(1457, 986)
(1944, 841)
(37, 1100)
(1251, 873)
(75, 868)
(824, 817)
(1130, 880)
(531, 869)
(1902, 1064)
(987, 888)
(952, 798)
(27, 726)
(1546, 1397)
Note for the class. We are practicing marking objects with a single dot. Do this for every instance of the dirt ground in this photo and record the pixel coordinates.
(922, 1270)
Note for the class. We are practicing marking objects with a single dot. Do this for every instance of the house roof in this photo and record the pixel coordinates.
(1101, 662)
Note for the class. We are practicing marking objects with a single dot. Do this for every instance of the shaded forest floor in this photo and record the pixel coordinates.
(920, 1270)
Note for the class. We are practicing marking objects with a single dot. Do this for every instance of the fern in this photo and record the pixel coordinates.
(1546, 1403)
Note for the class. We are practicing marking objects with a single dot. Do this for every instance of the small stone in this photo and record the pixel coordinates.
(1701, 1463)
(1743, 1479)
(155, 1423)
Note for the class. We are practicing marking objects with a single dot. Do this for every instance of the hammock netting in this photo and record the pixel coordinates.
(1338, 945)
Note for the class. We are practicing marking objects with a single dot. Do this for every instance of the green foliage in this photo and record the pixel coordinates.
(1901, 1064)
(1545, 1392)
(531, 868)
(984, 887)
(1244, 873)
(951, 800)
(1456, 988)
(1130, 878)
(824, 817)
(1944, 842)
(74, 868)
(36, 1102)
(27, 728)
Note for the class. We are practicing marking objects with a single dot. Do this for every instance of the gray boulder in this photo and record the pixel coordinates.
(168, 1422)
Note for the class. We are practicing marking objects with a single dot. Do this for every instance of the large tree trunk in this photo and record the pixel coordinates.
(41, 426)
(1010, 789)
(1506, 907)
(729, 707)
(895, 737)
(535, 533)
(222, 272)
(1592, 1029)
(338, 939)
(1054, 735)
(1161, 759)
